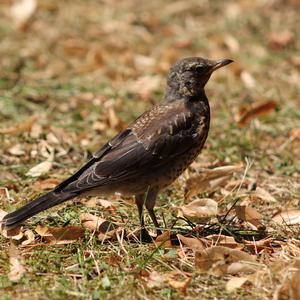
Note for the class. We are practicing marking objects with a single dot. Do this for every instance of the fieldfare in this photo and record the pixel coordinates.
(150, 153)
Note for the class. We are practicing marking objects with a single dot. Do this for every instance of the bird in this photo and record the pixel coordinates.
(149, 154)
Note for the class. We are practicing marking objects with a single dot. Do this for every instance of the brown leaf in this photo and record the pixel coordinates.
(287, 217)
(40, 169)
(60, 235)
(17, 269)
(29, 238)
(295, 133)
(16, 150)
(249, 214)
(223, 240)
(209, 180)
(15, 234)
(280, 40)
(178, 281)
(191, 242)
(250, 112)
(235, 283)
(46, 184)
(248, 79)
(199, 211)
(155, 280)
(164, 240)
(21, 12)
(219, 260)
(20, 128)
(94, 202)
(263, 195)
(105, 229)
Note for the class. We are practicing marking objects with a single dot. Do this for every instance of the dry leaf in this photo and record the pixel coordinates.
(164, 240)
(248, 79)
(155, 280)
(199, 211)
(219, 260)
(191, 242)
(249, 214)
(60, 235)
(178, 281)
(16, 150)
(17, 268)
(94, 202)
(295, 133)
(30, 238)
(20, 128)
(40, 169)
(258, 108)
(280, 40)
(105, 229)
(145, 86)
(235, 283)
(22, 10)
(46, 184)
(232, 43)
(209, 179)
(223, 240)
(287, 217)
(15, 234)
(263, 195)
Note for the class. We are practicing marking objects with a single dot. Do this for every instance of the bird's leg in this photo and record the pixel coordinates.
(140, 201)
(150, 203)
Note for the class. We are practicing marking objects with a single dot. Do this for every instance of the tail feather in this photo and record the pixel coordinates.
(32, 208)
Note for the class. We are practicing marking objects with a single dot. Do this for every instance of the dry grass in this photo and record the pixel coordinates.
(85, 69)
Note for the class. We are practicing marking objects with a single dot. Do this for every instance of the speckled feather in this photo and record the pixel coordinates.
(148, 155)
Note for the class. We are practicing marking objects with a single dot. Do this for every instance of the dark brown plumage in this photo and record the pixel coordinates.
(150, 154)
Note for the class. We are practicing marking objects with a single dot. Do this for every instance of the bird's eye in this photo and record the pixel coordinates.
(199, 69)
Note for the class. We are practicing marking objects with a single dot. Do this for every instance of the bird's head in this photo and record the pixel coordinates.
(188, 76)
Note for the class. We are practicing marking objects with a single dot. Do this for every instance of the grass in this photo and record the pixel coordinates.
(75, 61)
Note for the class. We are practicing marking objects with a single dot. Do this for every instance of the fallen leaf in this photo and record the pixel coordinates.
(17, 269)
(220, 260)
(248, 79)
(164, 240)
(145, 86)
(287, 217)
(209, 179)
(250, 112)
(15, 234)
(249, 214)
(155, 280)
(29, 238)
(199, 211)
(40, 169)
(263, 195)
(94, 202)
(46, 184)
(295, 133)
(235, 283)
(22, 10)
(16, 150)
(223, 240)
(191, 242)
(20, 128)
(280, 40)
(232, 43)
(178, 281)
(60, 235)
(104, 229)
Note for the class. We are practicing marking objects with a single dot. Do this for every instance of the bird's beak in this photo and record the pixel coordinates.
(220, 63)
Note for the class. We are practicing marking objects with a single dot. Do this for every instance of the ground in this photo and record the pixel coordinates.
(74, 73)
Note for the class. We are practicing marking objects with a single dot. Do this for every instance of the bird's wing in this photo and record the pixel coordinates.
(163, 132)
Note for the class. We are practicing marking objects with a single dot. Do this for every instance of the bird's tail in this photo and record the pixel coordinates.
(32, 208)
